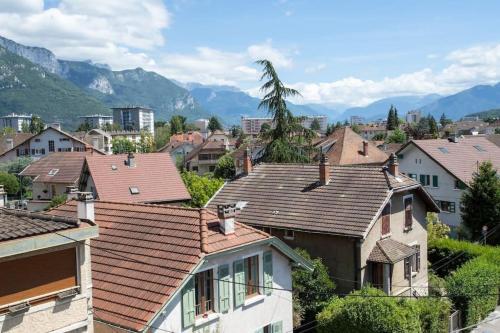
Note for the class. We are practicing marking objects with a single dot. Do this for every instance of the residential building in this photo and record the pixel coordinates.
(102, 140)
(346, 147)
(45, 280)
(48, 141)
(202, 125)
(252, 126)
(388, 148)
(203, 158)
(366, 223)
(413, 116)
(470, 127)
(52, 176)
(183, 270)
(97, 120)
(9, 141)
(357, 120)
(144, 178)
(180, 145)
(134, 119)
(322, 120)
(254, 150)
(445, 167)
(369, 131)
(15, 121)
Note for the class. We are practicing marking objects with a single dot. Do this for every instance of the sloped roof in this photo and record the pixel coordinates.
(152, 249)
(390, 251)
(345, 147)
(459, 158)
(17, 138)
(209, 145)
(495, 138)
(66, 168)
(154, 175)
(289, 196)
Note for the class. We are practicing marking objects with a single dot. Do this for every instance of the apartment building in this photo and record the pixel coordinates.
(413, 116)
(134, 118)
(253, 126)
(97, 120)
(15, 121)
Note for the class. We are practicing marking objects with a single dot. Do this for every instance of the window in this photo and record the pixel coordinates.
(37, 140)
(479, 148)
(415, 262)
(435, 181)
(53, 190)
(51, 146)
(444, 150)
(401, 156)
(195, 169)
(271, 328)
(386, 219)
(53, 172)
(408, 204)
(134, 190)
(63, 139)
(412, 176)
(447, 206)
(289, 234)
(252, 276)
(211, 168)
(204, 292)
(407, 268)
(425, 180)
(63, 149)
(459, 185)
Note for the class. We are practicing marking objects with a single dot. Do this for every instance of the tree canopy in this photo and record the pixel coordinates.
(201, 188)
(214, 124)
(9, 182)
(397, 136)
(315, 125)
(225, 167)
(178, 124)
(122, 145)
(36, 125)
(392, 119)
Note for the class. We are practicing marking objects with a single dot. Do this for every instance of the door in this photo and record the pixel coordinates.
(378, 275)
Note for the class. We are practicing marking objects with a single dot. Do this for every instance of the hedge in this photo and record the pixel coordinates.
(434, 314)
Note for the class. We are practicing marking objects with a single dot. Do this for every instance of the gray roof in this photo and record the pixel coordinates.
(16, 224)
(390, 251)
(289, 196)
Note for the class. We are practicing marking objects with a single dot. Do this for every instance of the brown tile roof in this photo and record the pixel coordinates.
(345, 147)
(389, 148)
(15, 224)
(390, 251)
(209, 145)
(153, 249)
(193, 137)
(289, 196)
(17, 138)
(68, 165)
(155, 175)
(460, 158)
(495, 138)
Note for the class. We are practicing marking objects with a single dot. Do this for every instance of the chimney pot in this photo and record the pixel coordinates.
(131, 160)
(9, 143)
(247, 162)
(393, 165)
(71, 192)
(226, 214)
(324, 170)
(85, 207)
(365, 148)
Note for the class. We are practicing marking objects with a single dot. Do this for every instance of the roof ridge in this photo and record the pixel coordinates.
(39, 216)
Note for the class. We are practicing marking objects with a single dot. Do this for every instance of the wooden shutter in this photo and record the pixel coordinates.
(277, 327)
(417, 258)
(408, 202)
(267, 258)
(224, 287)
(188, 299)
(239, 283)
(435, 182)
(386, 219)
(407, 268)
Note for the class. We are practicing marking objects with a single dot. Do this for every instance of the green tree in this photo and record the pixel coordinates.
(396, 118)
(9, 130)
(313, 289)
(214, 124)
(285, 141)
(111, 127)
(57, 200)
(379, 136)
(122, 145)
(14, 167)
(201, 188)
(25, 127)
(225, 167)
(178, 124)
(162, 134)
(236, 131)
(391, 119)
(435, 228)
(330, 128)
(480, 203)
(36, 125)
(9, 182)
(433, 128)
(397, 136)
(497, 130)
(265, 128)
(356, 128)
(146, 143)
(444, 121)
(84, 127)
(315, 125)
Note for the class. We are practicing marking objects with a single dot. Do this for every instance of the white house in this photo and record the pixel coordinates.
(445, 167)
(187, 270)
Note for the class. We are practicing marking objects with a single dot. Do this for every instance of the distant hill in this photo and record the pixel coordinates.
(380, 108)
(29, 88)
(493, 113)
(475, 99)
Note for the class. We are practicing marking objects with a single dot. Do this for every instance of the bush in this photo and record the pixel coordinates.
(370, 312)
(435, 228)
(57, 200)
(434, 314)
(474, 289)
(225, 168)
(9, 182)
(201, 188)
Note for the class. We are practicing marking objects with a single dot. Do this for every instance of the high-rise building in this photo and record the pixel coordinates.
(252, 126)
(134, 119)
(97, 120)
(413, 116)
(15, 121)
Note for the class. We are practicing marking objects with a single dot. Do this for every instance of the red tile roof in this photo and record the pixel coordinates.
(155, 176)
(144, 252)
(68, 165)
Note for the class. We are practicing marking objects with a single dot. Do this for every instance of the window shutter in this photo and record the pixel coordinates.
(407, 268)
(417, 258)
(224, 286)
(188, 304)
(408, 202)
(422, 180)
(277, 327)
(435, 182)
(239, 283)
(268, 272)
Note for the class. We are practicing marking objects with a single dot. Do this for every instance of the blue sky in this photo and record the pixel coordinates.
(347, 52)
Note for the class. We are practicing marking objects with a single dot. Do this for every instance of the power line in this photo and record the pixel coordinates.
(477, 324)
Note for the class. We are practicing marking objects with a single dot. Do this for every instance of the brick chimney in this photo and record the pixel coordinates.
(324, 170)
(131, 160)
(9, 143)
(365, 148)
(393, 165)
(85, 207)
(203, 230)
(247, 162)
(71, 192)
(226, 214)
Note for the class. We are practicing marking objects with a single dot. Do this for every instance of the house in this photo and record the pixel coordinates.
(134, 119)
(181, 144)
(367, 223)
(345, 147)
(175, 269)
(9, 141)
(413, 116)
(145, 178)
(15, 121)
(368, 132)
(388, 148)
(52, 175)
(254, 149)
(469, 127)
(45, 280)
(48, 141)
(203, 158)
(445, 167)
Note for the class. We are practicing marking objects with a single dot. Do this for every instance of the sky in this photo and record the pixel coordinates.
(333, 52)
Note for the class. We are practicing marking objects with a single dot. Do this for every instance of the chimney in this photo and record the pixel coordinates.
(131, 160)
(226, 214)
(3, 197)
(247, 162)
(85, 207)
(71, 192)
(453, 139)
(9, 143)
(324, 170)
(203, 230)
(393, 165)
(365, 148)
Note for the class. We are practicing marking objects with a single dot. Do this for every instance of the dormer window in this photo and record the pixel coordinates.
(134, 190)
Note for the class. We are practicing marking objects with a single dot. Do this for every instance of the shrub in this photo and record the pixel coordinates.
(10, 183)
(57, 200)
(434, 314)
(201, 188)
(435, 228)
(225, 168)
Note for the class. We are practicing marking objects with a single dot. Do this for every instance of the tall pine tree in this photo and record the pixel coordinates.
(396, 118)
(391, 119)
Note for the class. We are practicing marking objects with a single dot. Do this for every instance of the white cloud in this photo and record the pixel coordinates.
(104, 31)
(266, 51)
(314, 69)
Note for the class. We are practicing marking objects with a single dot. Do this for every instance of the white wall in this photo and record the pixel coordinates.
(248, 318)
(417, 162)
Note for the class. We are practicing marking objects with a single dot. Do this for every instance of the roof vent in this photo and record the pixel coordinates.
(134, 190)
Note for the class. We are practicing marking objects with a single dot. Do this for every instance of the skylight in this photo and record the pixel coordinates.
(444, 150)
(113, 167)
(53, 172)
(134, 190)
(479, 148)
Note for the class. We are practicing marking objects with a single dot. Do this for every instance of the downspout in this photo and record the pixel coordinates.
(357, 263)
